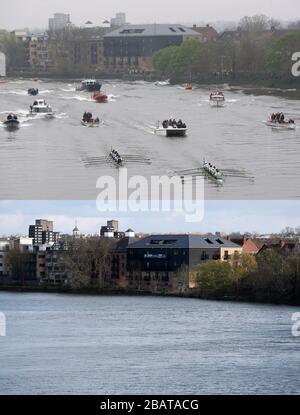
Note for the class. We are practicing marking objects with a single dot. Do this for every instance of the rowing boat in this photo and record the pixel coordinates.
(213, 171)
(116, 158)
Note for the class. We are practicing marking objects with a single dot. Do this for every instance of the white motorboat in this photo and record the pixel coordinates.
(213, 171)
(90, 85)
(11, 122)
(92, 123)
(163, 83)
(172, 128)
(217, 99)
(41, 107)
(285, 125)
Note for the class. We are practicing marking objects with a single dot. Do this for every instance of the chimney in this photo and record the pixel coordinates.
(194, 26)
(208, 25)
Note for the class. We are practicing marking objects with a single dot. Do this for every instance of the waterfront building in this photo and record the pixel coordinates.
(59, 21)
(4, 249)
(208, 33)
(55, 269)
(130, 47)
(22, 244)
(118, 260)
(164, 262)
(111, 230)
(42, 232)
(40, 57)
(118, 20)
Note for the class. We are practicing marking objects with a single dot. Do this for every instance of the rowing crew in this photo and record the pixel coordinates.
(116, 157)
(210, 168)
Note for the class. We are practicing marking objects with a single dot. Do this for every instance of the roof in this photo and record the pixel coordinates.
(183, 242)
(123, 244)
(152, 30)
(207, 31)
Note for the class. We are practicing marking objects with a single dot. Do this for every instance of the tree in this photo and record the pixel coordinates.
(224, 277)
(279, 59)
(256, 23)
(179, 62)
(86, 262)
(14, 50)
(213, 277)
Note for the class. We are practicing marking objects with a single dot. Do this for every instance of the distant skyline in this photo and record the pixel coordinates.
(226, 216)
(35, 14)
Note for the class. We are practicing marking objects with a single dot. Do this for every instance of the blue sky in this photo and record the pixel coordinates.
(223, 216)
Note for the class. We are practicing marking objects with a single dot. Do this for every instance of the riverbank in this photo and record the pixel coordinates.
(191, 293)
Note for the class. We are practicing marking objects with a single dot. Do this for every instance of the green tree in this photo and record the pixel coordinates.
(279, 59)
(180, 63)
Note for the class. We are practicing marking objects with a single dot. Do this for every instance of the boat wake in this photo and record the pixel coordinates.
(68, 89)
(113, 98)
(47, 91)
(77, 98)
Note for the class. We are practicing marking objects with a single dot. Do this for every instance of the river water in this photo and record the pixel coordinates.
(61, 159)
(65, 344)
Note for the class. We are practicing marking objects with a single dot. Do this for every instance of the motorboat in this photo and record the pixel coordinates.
(217, 99)
(92, 123)
(33, 91)
(100, 97)
(90, 85)
(11, 122)
(213, 171)
(41, 107)
(172, 128)
(116, 158)
(188, 87)
(278, 122)
(163, 83)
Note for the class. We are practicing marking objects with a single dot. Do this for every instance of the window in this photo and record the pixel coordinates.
(163, 241)
(220, 242)
(209, 241)
(172, 29)
(226, 255)
(204, 256)
(181, 29)
(131, 31)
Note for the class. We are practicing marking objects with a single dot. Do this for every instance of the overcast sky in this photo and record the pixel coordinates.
(227, 216)
(35, 13)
